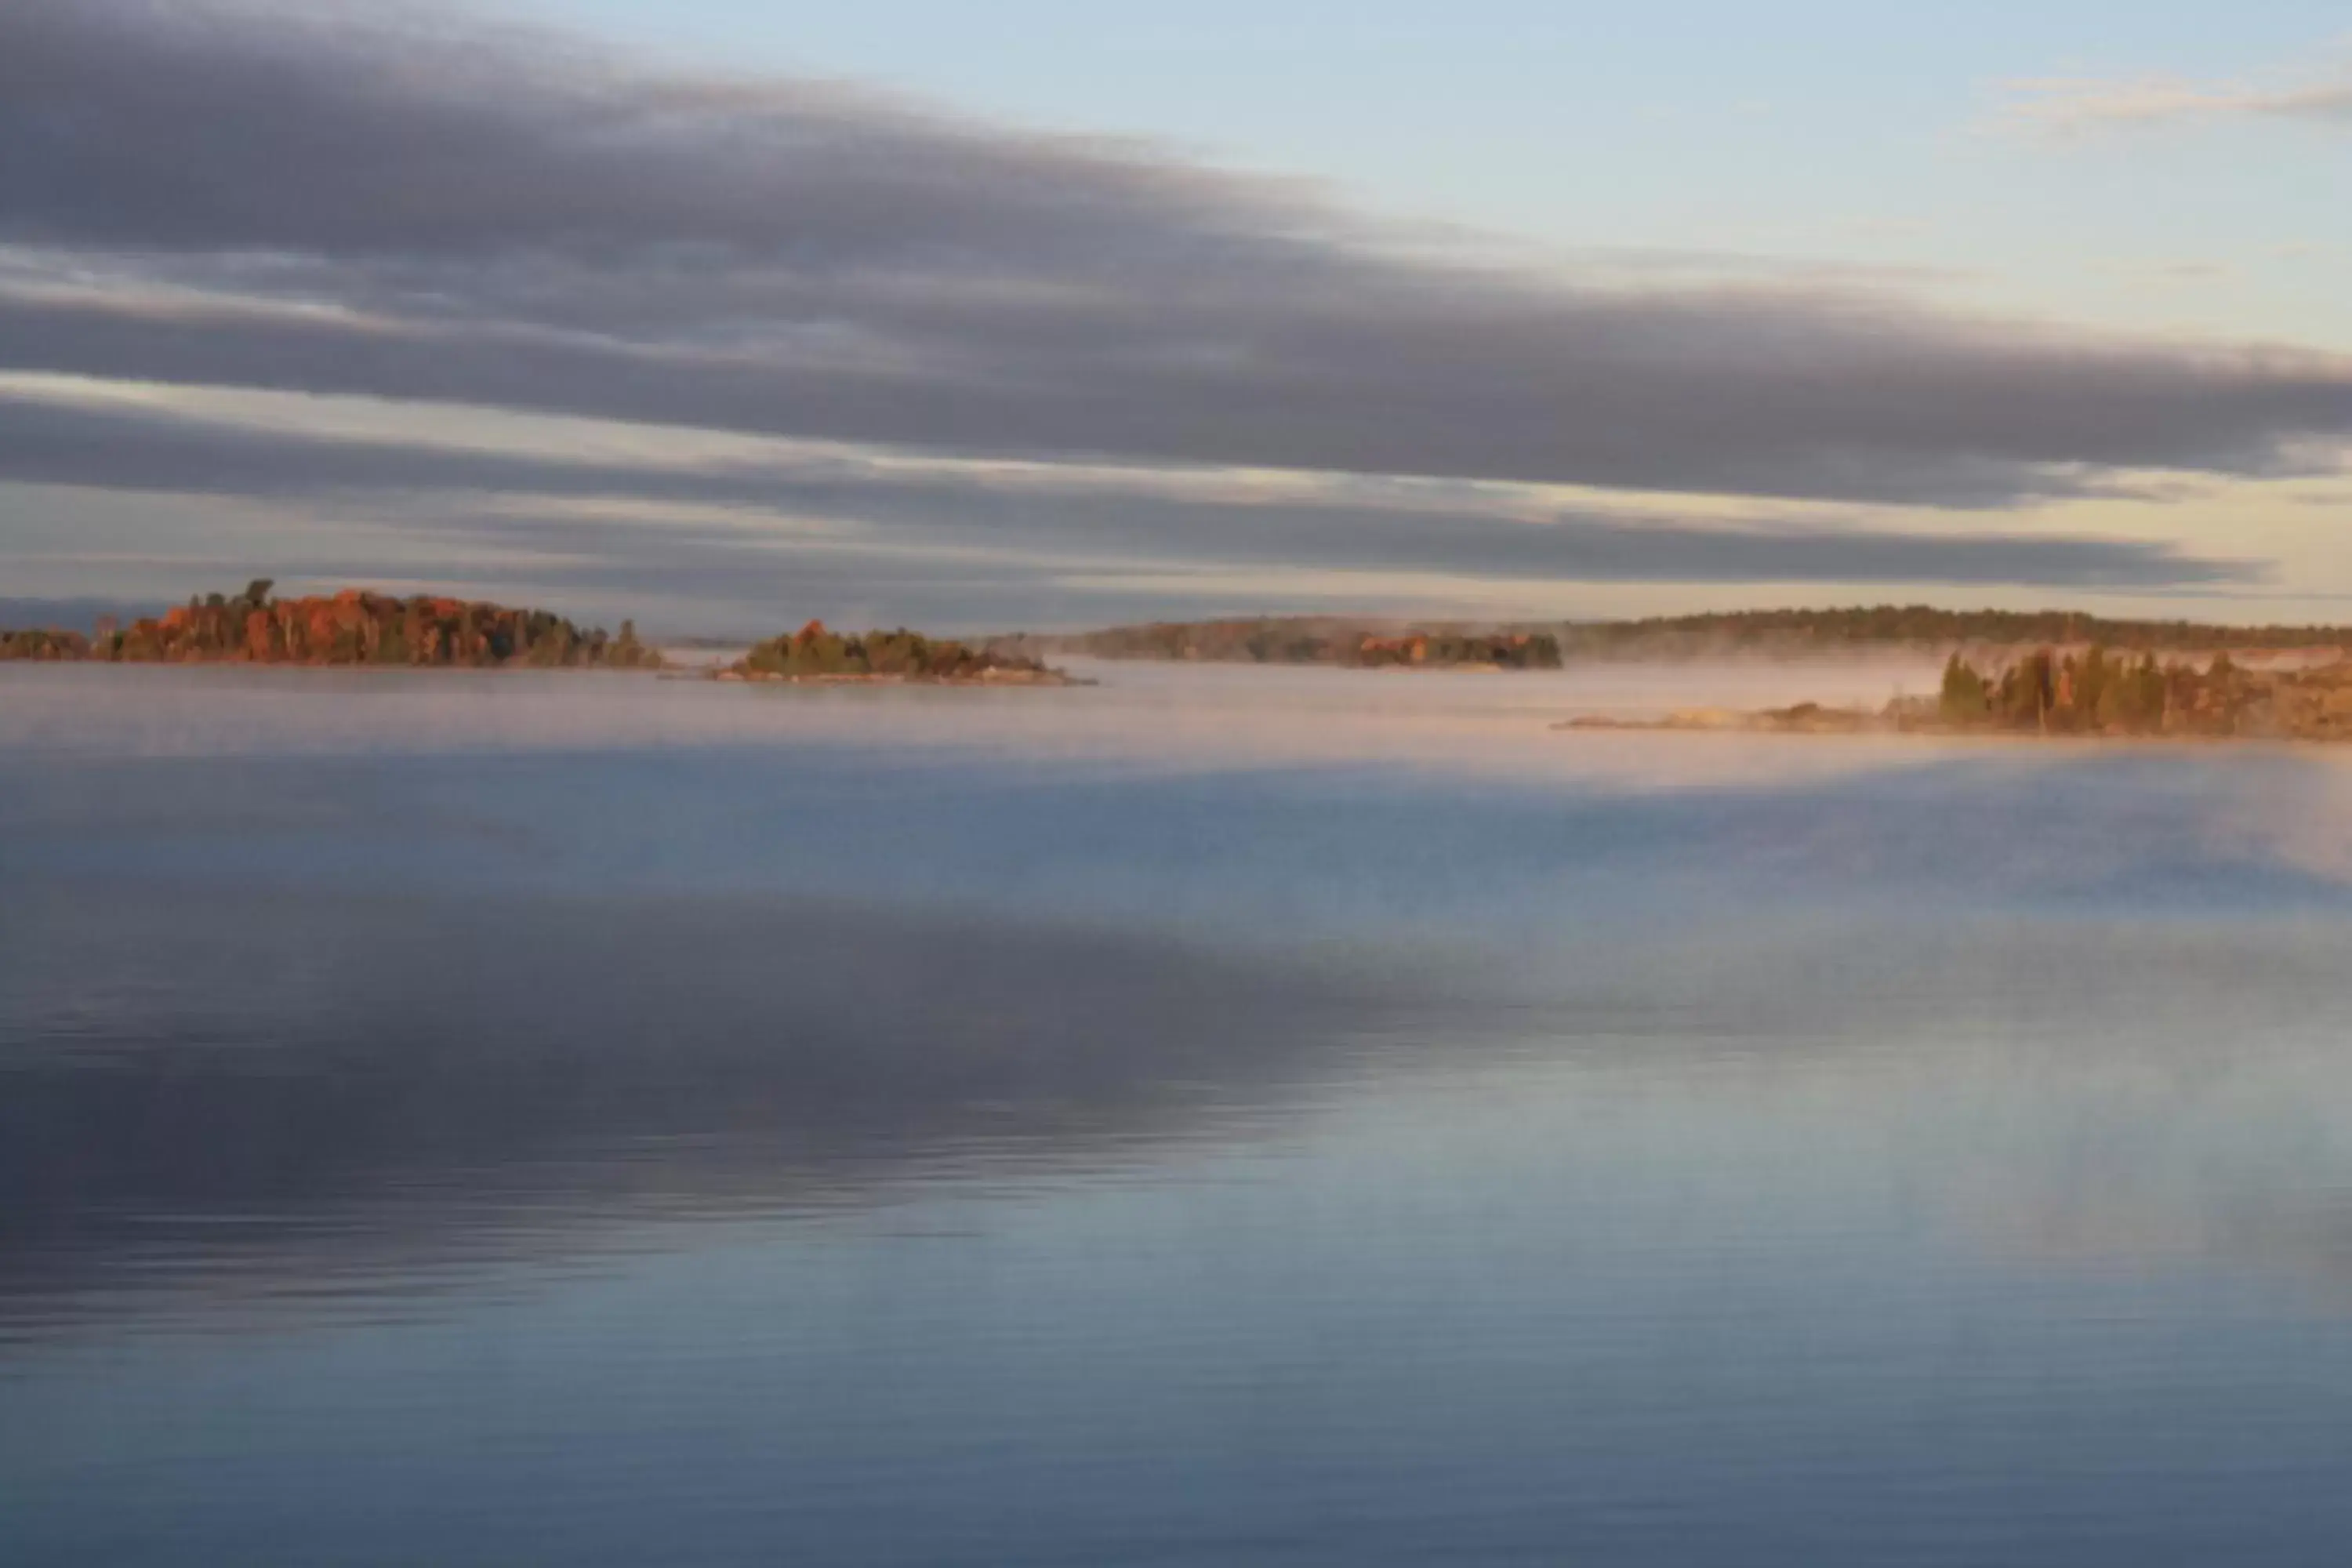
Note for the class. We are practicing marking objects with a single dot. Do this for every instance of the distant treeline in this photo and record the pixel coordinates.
(1920, 626)
(815, 653)
(352, 628)
(1289, 641)
(1325, 639)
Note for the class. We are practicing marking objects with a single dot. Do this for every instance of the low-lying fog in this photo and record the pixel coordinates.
(1172, 715)
(819, 1123)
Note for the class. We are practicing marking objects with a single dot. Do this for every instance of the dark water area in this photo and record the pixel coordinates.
(1317, 1120)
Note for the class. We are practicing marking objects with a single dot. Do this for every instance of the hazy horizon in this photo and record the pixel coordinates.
(704, 314)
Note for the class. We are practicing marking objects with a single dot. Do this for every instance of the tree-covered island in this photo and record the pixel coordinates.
(357, 628)
(815, 654)
(353, 627)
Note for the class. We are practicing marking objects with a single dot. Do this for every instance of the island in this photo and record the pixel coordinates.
(814, 655)
(352, 628)
(2088, 693)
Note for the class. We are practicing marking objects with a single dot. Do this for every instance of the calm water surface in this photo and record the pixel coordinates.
(1218, 1117)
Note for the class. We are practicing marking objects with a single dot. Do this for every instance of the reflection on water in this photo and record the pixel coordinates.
(227, 1084)
(1234, 1117)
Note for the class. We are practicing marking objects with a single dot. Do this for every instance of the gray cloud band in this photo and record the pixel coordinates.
(51, 444)
(532, 225)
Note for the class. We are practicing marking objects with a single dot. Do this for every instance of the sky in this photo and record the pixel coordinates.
(724, 313)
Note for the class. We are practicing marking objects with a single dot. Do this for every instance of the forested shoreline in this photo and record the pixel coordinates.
(353, 627)
(1768, 634)
(1347, 644)
(2050, 692)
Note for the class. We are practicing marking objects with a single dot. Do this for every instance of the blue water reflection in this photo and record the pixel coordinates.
(553, 1124)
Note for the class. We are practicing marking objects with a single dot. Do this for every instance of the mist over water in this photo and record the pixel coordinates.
(1217, 1116)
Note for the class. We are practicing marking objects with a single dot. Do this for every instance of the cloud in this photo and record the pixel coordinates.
(764, 524)
(2075, 106)
(319, 200)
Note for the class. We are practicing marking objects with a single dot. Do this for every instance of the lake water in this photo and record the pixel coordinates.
(1219, 1117)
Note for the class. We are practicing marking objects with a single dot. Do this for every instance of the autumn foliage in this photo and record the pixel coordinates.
(352, 628)
(815, 653)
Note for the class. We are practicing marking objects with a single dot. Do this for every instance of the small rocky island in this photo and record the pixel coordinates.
(353, 627)
(2086, 693)
(814, 655)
